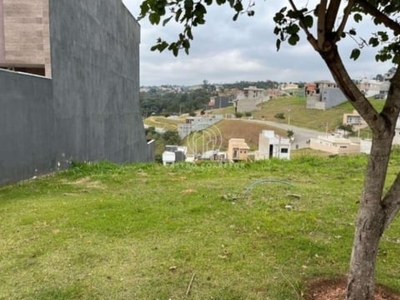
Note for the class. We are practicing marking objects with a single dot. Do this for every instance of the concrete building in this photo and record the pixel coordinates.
(24, 36)
(173, 154)
(237, 150)
(89, 109)
(334, 145)
(193, 124)
(249, 98)
(271, 145)
(355, 120)
(371, 87)
(323, 95)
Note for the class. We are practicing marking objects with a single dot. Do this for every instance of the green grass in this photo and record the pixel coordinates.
(141, 231)
(163, 122)
(307, 118)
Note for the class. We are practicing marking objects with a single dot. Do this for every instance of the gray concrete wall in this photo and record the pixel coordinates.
(332, 97)
(95, 70)
(27, 137)
(89, 110)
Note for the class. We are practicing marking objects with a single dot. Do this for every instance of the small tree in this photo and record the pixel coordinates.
(238, 115)
(290, 134)
(192, 114)
(171, 137)
(280, 116)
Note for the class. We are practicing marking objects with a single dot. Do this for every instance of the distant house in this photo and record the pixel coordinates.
(323, 95)
(173, 153)
(334, 145)
(371, 87)
(271, 145)
(396, 139)
(197, 123)
(355, 120)
(237, 150)
(289, 86)
(249, 98)
(253, 92)
(220, 102)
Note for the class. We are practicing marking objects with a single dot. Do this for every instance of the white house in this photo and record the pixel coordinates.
(334, 145)
(271, 145)
(174, 154)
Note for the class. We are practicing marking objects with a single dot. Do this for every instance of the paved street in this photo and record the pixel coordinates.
(301, 135)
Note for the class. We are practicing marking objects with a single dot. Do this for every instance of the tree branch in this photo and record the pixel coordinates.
(332, 59)
(391, 202)
(321, 24)
(391, 108)
(347, 12)
(331, 15)
(379, 16)
(310, 38)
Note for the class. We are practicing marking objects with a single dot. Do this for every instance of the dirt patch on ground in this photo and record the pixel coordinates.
(85, 182)
(335, 289)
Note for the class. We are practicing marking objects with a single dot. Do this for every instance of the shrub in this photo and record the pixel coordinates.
(280, 116)
(238, 115)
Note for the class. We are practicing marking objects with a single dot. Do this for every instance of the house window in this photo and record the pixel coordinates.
(284, 150)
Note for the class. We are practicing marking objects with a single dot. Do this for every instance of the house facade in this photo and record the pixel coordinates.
(238, 150)
(355, 120)
(323, 95)
(271, 145)
(334, 145)
(193, 124)
(25, 36)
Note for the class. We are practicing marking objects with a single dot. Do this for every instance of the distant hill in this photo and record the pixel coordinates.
(218, 135)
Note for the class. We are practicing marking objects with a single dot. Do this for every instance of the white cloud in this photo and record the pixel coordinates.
(225, 51)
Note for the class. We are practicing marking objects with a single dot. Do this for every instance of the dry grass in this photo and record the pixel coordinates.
(233, 128)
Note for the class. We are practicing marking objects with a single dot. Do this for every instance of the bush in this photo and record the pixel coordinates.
(171, 137)
(280, 116)
(238, 115)
(192, 114)
(248, 114)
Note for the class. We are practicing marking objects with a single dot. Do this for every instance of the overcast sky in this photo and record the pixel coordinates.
(224, 51)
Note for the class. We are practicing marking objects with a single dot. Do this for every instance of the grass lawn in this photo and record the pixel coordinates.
(144, 231)
(163, 122)
(307, 118)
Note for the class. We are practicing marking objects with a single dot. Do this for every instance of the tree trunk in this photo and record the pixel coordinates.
(370, 223)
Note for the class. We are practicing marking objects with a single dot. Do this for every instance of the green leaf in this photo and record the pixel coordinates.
(293, 39)
(189, 33)
(238, 6)
(278, 44)
(357, 17)
(373, 41)
(166, 20)
(308, 21)
(154, 18)
(200, 9)
(355, 54)
(352, 32)
(178, 14)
